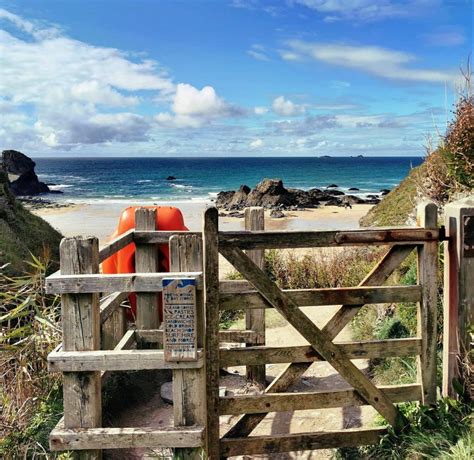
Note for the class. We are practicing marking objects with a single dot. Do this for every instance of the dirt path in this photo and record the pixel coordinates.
(320, 377)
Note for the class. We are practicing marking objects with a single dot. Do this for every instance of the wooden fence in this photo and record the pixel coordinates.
(96, 339)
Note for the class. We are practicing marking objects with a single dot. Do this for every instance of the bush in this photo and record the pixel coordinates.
(459, 152)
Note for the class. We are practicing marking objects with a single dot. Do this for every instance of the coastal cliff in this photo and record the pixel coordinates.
(22, 233)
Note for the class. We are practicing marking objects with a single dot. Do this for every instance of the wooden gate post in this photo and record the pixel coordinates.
(458, 291)
(210, 235)
(146, 261)
(255, 319)
(81, 332)
(427, 217)
(189, 385)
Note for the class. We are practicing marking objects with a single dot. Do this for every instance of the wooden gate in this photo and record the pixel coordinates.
(260, 292)
(96, 341)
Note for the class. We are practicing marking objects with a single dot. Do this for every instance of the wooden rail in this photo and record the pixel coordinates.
(353, 350)
(326, 297)
(327, 238)
(283, 402)
(136, 282)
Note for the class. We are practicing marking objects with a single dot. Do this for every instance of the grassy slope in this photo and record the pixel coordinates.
(21, 232)
(398, 205)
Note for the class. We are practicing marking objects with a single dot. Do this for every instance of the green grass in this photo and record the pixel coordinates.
(22, 233)
(440, 432)
(398, 205)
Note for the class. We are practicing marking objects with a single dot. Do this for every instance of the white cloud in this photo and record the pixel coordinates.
(193, 107)
(260, 110)
(375, 60)
(368, 10)
(96, 92)
(285, 107)
(258, 55)
(448, 36)
(256, 144)
(258, 52)
(66, 83)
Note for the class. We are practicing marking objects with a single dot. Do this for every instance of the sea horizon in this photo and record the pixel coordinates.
(116, 179)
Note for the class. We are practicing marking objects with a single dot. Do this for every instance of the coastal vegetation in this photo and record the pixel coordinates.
(22, 233)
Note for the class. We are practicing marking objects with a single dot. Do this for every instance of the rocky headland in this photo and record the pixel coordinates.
(22, 178)
(272, 194)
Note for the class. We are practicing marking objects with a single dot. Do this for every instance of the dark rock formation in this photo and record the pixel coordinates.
(272, 194)
(332, 186)
(16, 163)
(385, 191)
(353, 189)
(171, 178)
(21, 174)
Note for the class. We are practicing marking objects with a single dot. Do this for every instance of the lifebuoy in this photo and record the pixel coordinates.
(123, 261)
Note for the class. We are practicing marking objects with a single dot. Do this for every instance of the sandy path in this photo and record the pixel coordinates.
(320, 377)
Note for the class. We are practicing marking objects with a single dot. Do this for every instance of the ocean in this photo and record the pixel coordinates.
(88, 180)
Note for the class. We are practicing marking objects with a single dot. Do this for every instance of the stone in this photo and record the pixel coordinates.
(21, 174)
(277, 214)
(171, 178)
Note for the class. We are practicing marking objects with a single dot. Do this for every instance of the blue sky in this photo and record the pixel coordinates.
(229, 77)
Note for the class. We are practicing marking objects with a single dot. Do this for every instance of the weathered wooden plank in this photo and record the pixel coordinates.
(427, 217)
(237, 336)
(189, 385)
(115, 360)
(81, 332)
(318, 339)
(300, 442)
(228, 336)
(235, 286)
(127, 341)
(293, 372)
(125, 282)
(113, 322)
(115, 245)
(110, 304)
(146, 261)
(458, 293)
(301, 354)
(255, 319)
(210, 237)
(283, 402)
(328, 296)
(124, 438)
(159, 236)
(325, 238)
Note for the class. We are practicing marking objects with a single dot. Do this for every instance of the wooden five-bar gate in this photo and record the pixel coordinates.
(96, 340)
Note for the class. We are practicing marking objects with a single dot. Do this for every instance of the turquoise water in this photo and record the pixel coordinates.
(199, 179)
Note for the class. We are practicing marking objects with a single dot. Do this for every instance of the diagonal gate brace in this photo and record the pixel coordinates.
(318, 339)
(294, 371)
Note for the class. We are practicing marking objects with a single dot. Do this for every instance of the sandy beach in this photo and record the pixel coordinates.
(100, 219)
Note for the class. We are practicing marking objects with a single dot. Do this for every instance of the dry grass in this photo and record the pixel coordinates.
(29, 330)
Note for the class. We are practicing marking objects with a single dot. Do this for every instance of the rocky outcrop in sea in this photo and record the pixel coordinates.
(272, 194)
(21, 174)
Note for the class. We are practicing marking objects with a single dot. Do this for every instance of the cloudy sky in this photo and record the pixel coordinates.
(228, 77)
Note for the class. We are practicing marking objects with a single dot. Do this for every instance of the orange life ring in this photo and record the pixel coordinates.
(123, 261)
